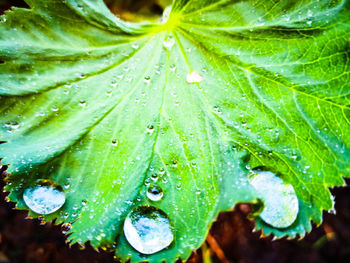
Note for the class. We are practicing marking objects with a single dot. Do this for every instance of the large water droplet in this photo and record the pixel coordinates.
(148, 230)
(194, 77)
(45, 197)
(280, 200)
(154, 193)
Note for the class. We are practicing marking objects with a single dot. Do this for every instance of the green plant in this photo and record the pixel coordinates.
(218, 103)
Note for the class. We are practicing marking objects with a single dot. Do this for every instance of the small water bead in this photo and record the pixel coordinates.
(45, 197)
(82, 103)
(115, 142)
(135, 45)
(148, 230)
(281, 205)
(178, 186)
(65, 228)
(154, 177)
(150, 129)
(194, 77)
(54, 108)
(164, 180)
(169, 42)
(174, 164)
(109, 92)
(147, 79)
(154, 193)
(147, 182)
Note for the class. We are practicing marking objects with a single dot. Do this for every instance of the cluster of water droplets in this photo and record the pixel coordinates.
(11, 126)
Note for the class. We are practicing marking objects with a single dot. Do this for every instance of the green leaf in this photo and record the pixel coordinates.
(106, 108)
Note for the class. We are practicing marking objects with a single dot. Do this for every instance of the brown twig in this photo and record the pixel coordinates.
(213, 244)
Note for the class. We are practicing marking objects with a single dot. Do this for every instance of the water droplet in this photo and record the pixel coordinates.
(109, 92)
(45, 197)
(281, 205)
(155, 193)
(82, 103)
(169, 42)
(148, 230)
(178, 186)
(194, 77)
(147, 79)
(54, 108)
(65, 228)
(150, 129)
(154, 177)
(135, 45)
(147, 182)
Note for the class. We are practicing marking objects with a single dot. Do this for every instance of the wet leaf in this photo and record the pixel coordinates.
(113, 111)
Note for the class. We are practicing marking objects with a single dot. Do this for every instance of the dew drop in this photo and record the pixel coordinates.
(54, 108)
(82, 103)
(65, 228)
(115, 142)
(154, 177)
(169, 42)
(148, 230)
(147, 79)
(150, 129)
(155, 193)
(135, 45)
(194, 77)
(280, 200)
(45, 197)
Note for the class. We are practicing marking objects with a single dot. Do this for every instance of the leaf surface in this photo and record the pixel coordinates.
(106, 108)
